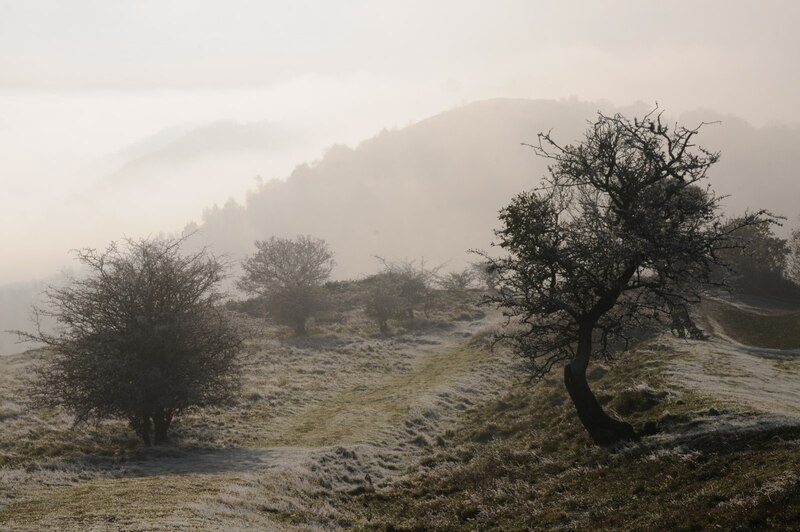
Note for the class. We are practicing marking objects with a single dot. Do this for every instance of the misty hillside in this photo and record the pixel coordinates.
(433, 189)
(429, 190)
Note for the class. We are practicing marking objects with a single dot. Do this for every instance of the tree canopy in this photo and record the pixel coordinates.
(289, 274)
(141, 337)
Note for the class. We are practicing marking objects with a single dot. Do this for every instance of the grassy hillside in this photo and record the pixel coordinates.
(524, 462)
(340, 411)
(423, 429)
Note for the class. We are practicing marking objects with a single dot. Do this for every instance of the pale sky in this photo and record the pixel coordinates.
(82, 80)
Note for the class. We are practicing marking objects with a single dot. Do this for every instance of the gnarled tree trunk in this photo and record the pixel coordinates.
(602, 428)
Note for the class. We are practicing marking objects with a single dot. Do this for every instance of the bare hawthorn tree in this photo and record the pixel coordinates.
(619, 232)
(141, 337)
(289, 274)
(414, 283)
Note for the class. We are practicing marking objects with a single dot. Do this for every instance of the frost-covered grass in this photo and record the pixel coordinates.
(340, 412)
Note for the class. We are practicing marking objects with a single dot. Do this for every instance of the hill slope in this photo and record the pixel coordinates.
(335, 413)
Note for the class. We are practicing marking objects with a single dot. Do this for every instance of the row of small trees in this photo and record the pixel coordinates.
(288, 276)
(143, 335)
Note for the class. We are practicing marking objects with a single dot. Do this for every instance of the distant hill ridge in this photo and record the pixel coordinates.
(433, 189)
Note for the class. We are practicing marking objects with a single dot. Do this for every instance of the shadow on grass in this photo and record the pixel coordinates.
(169, 461)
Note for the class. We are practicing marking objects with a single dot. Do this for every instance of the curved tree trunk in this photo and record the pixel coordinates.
(602, 428)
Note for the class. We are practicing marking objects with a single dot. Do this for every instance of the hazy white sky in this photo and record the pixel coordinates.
(81, 80)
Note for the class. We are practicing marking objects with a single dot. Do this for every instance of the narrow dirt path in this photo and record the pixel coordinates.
(356, 415)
